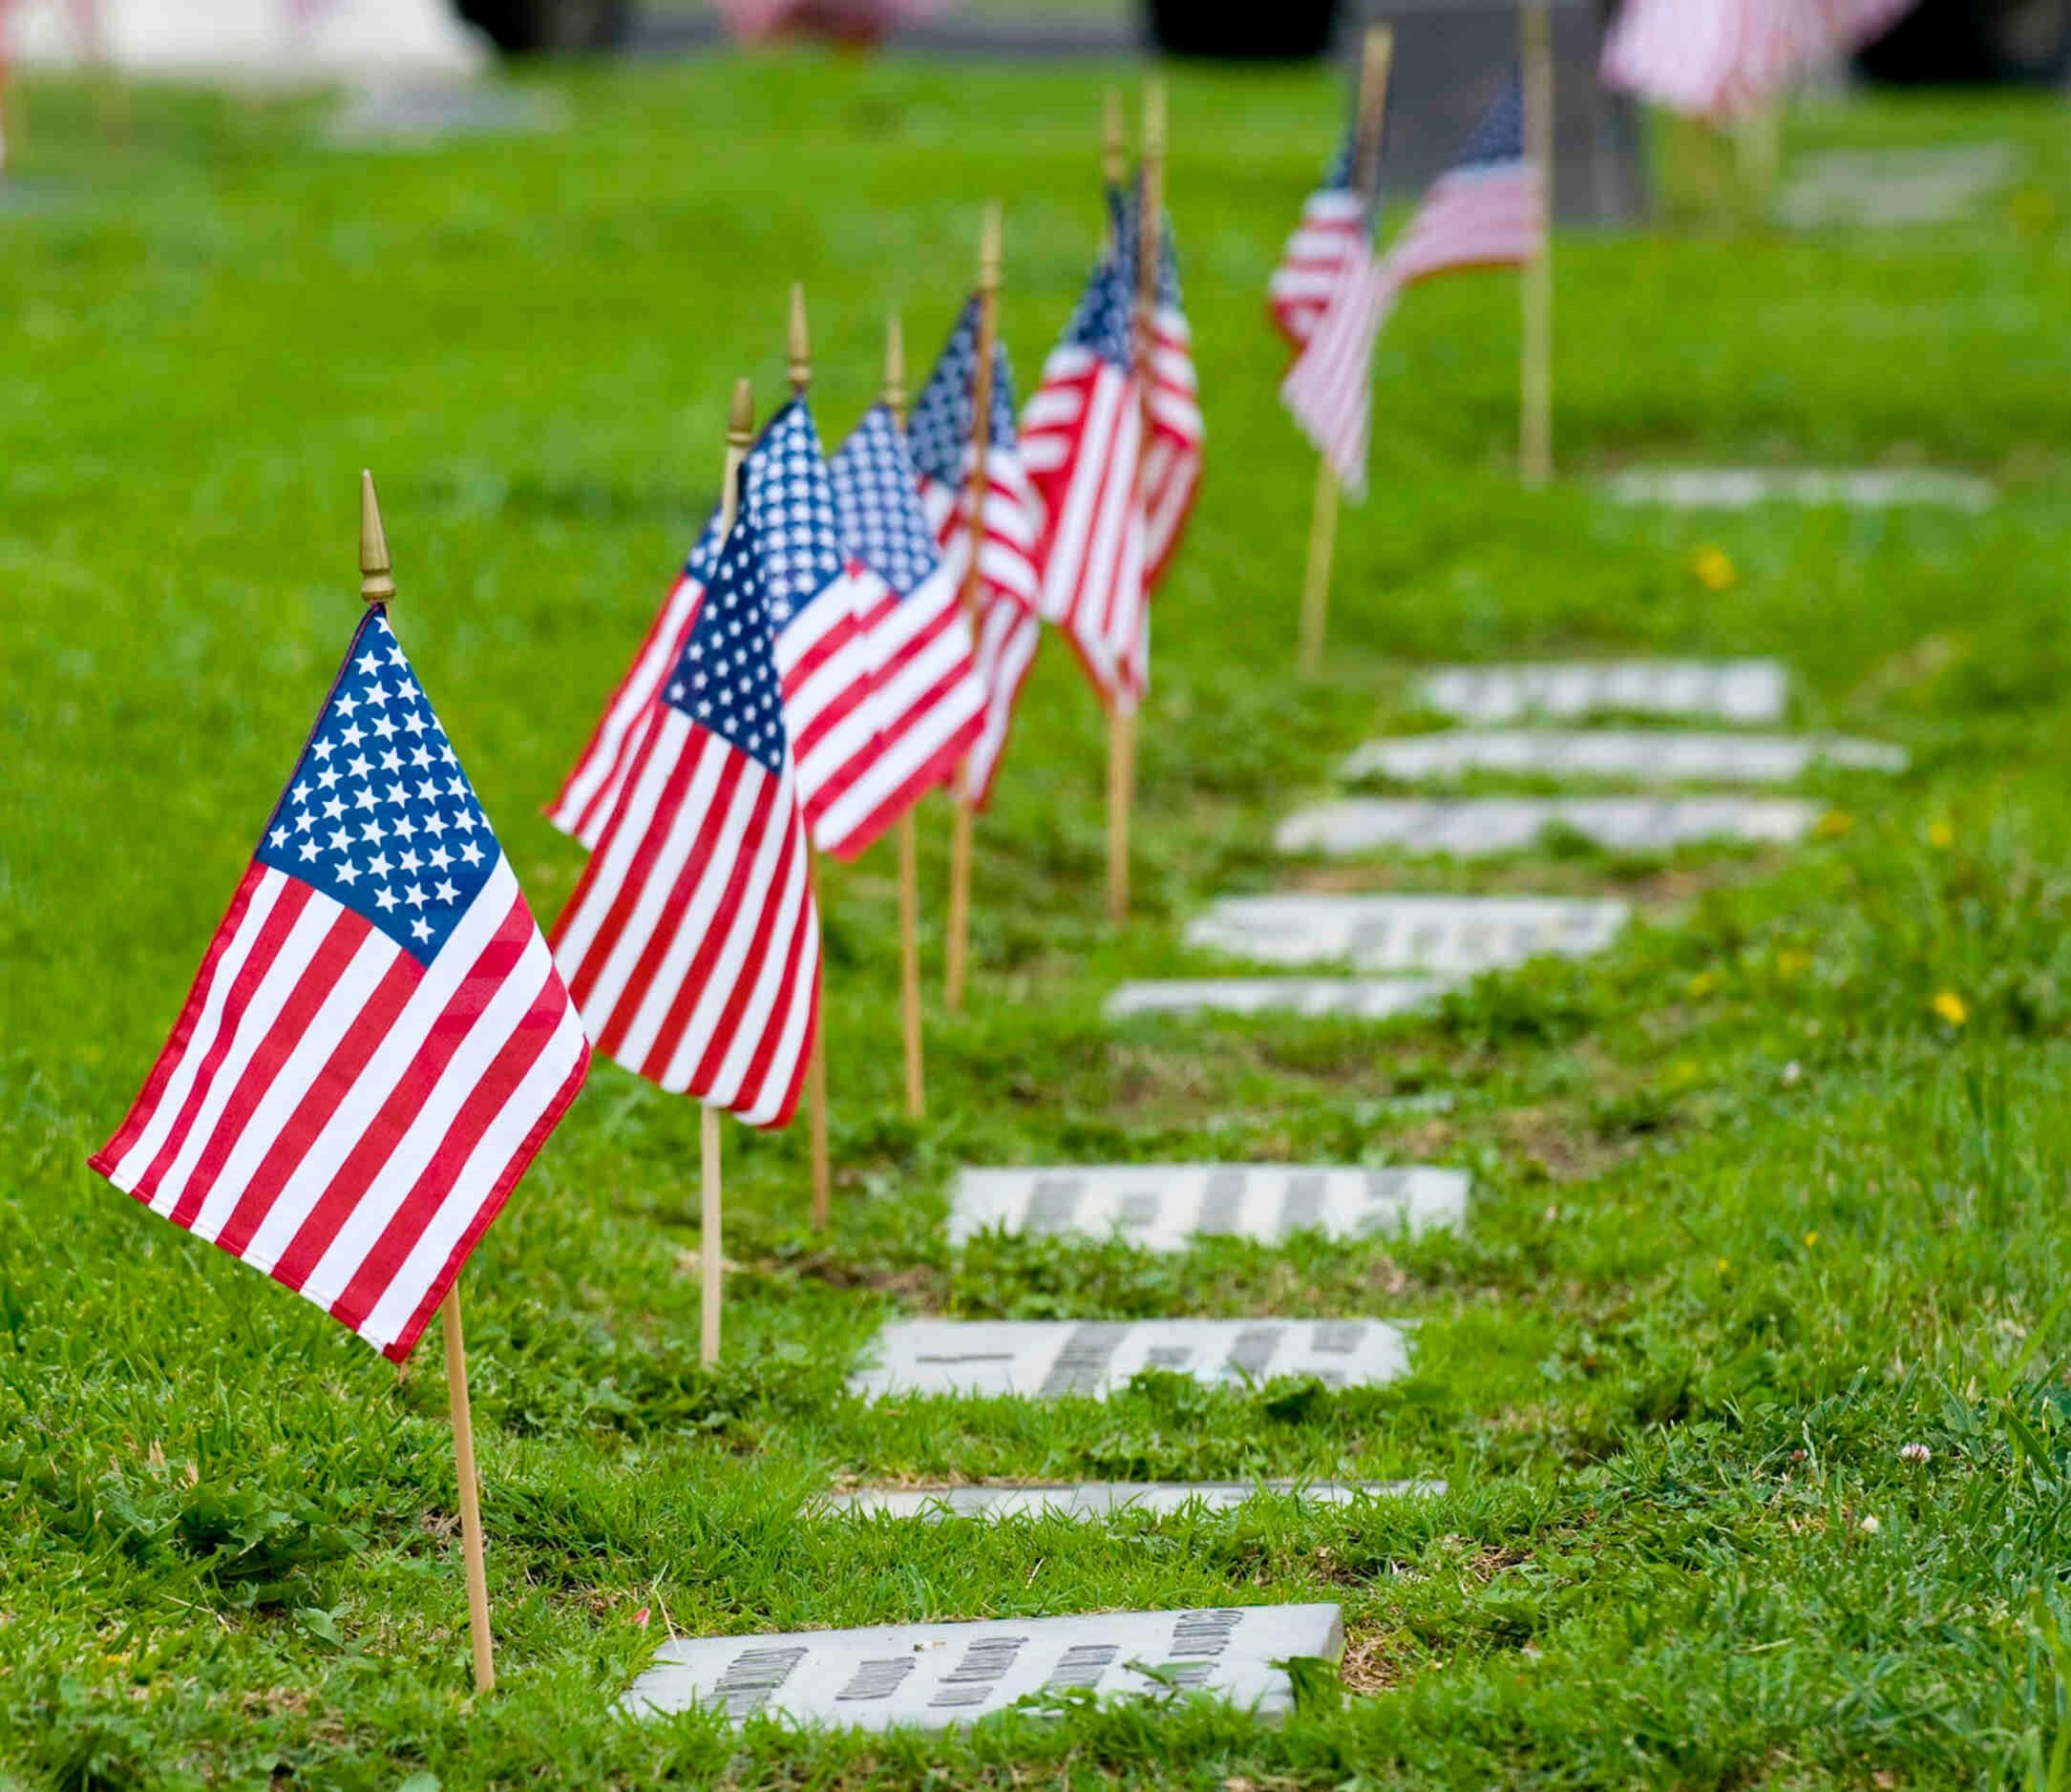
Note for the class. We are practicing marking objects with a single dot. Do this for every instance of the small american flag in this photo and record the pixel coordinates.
(1487, 210)
(1082, 438)
(377, 1042)
(590, 791)
(823, 654)
(692, 944)
(1719, 58)
(1335, 224)
(1009, 587)
(1172, 457)
(930, 704)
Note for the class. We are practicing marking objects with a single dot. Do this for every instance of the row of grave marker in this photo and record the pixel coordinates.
(936, 1675)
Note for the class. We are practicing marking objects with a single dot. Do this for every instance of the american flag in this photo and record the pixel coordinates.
(1487, 210)
(1718, 59)
(1082, 439)
(1009, 589)
(377, 1042)
(930, 704)
(1334, 225)
(823, 654)
(692, 944)
(590, 791)
(1171, 460)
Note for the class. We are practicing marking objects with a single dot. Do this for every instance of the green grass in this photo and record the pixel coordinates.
(1749, 1216)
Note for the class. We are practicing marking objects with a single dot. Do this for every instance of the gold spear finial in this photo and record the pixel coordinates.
(800, 366)
(375, 584)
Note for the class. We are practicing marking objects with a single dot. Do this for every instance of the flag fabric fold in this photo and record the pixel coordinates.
(1172, 457)
(824, 660)
(377, 1042)
(1722, 58)
(930, 704)
(1008, 615)
(590, 791)
(692, 944)
(1081, 441)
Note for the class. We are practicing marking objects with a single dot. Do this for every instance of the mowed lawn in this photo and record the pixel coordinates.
(1751, 1216)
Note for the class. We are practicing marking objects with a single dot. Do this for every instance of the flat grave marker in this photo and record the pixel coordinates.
(1442, 935)
(1643, 755)
(931, 1675)
(1101, 1499)
(1939, 183)
(1746, 691)
(1363, 999)
(415, 117)
(1048, 1359)
(1470, 826)
(1167, 1207)
(1850, 488)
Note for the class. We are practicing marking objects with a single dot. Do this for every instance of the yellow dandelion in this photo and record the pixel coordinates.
(1703, 984)
(1952, 1007)
(1723, 1265)
(1833, 824)
(1811, 1238)
(1793, 963)
(1940, 836)
(1714, 570)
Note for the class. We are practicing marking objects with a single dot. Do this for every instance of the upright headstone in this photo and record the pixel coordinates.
(931, 1675)
(1167, 1207)
(1440, 935)
(1472, 826)
(1746, 691)
(1048, 1359)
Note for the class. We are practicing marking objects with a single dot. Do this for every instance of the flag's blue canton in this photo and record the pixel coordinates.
(1101, 322)
(378, 814)
(698, 568)
(724, 680)
(1500, 135)
(941, 425)
(877, 501)
(1124, 209)
(1339, 175)
(792, 505)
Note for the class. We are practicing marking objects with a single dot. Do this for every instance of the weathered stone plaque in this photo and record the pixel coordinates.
(930, 1676)
(1166, 1206)
(1741, 488)
(1098, 1499)
(1364, 999)
(1047, 1358)
(1509, 824)
(1638, 755)
(1444, 936)
(1749, 691)
(1938, 183)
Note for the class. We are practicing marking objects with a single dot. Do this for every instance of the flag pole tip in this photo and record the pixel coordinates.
(375, 584)
(800, 345)
(991, 248)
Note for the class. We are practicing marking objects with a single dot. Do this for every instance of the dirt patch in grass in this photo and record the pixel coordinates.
(907, 1281)
(1372, 1662)
(1561, 1147)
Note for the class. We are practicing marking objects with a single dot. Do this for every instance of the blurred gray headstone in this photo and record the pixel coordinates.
(1500, 824)
(1742, 488)
(1361, 998)
(1746, 691)
(1636, 755)
(1048, 1359)
(1166, 1206)
(1099, 1499)
(930, 1676)
(415, 117)
(1451, 59)
(1444, 936)
(1927, 183)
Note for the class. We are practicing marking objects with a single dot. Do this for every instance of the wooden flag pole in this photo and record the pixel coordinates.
(1536, 421)
(798, 367)
(377, 585)
(711, 1256)
(991, 263)
(1375, 56)
(908, 835)
(1120, 709)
